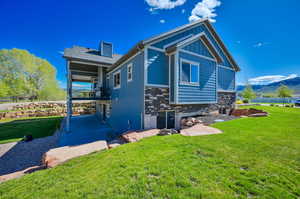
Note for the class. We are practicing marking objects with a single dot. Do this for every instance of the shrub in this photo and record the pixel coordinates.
(239, 102)
(246, 101)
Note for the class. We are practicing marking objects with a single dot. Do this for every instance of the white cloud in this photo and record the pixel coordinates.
(205, 10)
(183, 11)
(260, 44)
(162, 21)
(164, 4)
(263, 80)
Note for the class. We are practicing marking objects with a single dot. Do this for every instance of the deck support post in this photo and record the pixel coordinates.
(69, 96)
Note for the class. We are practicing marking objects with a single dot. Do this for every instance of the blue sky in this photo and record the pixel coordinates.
(262, 35)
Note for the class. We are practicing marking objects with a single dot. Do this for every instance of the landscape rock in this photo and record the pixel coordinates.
(115, 143)
(249, 112)
(136, 136)
(60, 155)
(167, 132)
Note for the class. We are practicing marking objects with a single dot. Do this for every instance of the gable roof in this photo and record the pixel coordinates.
(140, 45)
(201, 36)
(89, 55)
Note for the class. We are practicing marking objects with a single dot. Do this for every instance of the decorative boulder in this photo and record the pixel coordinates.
(189, 123)
(167, 132)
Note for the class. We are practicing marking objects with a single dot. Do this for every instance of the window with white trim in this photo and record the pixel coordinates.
(129, 72)
(189, 73)
(117, 79)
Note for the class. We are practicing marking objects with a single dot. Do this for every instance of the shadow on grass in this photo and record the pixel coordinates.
(37, 127)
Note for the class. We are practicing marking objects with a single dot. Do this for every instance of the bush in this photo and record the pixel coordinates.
(239, 102)
(246, 101)
(271, 104)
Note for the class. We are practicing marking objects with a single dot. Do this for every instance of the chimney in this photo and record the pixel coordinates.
(106, 49)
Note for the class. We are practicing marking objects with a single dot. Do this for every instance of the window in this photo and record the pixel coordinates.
(189, 73)
(117, 79)
(129, 72)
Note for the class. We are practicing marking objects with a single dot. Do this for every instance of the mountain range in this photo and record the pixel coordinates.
(293, 84)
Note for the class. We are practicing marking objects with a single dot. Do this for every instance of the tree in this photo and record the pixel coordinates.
(27, 75)
(248, 93)
(283, 91)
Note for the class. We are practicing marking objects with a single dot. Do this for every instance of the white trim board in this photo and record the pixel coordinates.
(197, 55)
(157, 85)
(226, 67)
(125, 63)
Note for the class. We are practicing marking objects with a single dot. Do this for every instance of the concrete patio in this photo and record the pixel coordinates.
(85, 129)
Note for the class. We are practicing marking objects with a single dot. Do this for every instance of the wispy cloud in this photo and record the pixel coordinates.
(183, 11)
(164, 4)
(205, 10)
(260, 44)
(162, 21)
(263, 80)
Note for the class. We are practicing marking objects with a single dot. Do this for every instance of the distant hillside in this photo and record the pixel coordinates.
(291, 83)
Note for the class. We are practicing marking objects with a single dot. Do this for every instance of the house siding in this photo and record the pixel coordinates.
(127, 102)
(206, 91)
(199, 48)
(158, 68)
(194, 31)
(226, 79)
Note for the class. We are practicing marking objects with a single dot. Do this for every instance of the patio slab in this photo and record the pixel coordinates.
(85, 129)
(199, 129)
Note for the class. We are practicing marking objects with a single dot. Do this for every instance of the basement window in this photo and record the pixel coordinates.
(117, 80)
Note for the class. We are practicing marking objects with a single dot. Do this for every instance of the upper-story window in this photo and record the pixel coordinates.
(189, 72)
(129, 72)
(117, 79)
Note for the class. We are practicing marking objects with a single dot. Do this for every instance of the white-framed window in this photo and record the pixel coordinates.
(129, 72)
(117, 79)
(189, 72)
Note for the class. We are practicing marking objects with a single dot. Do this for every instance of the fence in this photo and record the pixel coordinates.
(274, 100)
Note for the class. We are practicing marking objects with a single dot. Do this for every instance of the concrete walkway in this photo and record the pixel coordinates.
(199, 129)
(85, 129)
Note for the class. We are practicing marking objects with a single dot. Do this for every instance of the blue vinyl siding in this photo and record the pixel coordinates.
(226, 79)
(199, 48)
(205, 92)
(158, 68)
(194, 31)
(127, 102)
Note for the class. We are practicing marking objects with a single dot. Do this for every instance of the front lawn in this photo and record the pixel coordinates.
(14, 129)
(253, 158)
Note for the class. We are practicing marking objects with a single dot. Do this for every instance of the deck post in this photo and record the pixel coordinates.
(69, 96)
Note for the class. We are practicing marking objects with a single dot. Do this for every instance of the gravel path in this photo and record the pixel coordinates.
(17, 156)
(210, 119)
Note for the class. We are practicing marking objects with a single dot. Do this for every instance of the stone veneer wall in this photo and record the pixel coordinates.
(157, 99)
(226, 99)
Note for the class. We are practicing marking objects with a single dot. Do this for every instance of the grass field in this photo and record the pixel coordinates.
(253, 158)
(14, 129)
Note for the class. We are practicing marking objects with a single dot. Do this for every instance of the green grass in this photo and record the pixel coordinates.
(14, 129)
(253, 158)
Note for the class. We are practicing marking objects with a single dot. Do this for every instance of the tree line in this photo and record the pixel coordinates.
(23, 75)
(283, 92)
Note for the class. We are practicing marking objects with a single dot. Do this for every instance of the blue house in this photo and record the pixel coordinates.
(184, 72)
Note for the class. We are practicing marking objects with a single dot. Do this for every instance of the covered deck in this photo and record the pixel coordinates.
(86, 65)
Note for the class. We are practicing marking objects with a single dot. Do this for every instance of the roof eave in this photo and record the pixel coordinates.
(231, 59)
